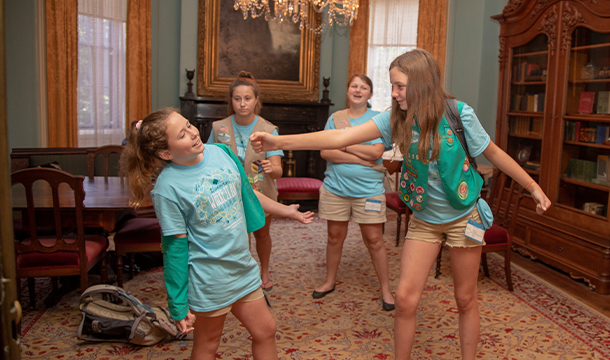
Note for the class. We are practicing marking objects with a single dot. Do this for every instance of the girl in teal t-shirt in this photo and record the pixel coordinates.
(353, 188)
(414, 124)
(205, 208)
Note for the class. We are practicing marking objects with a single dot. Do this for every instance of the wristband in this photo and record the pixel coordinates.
(528, 185)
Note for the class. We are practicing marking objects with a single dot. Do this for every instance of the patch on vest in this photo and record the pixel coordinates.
(223, 135)
(407, 197)
(463, 190)
(466, 165)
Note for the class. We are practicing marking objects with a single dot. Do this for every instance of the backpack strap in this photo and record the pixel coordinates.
(452, 115)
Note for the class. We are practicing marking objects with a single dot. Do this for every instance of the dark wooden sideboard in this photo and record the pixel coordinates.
(289, 117)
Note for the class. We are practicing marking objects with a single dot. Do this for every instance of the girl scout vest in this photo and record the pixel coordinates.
(341, 121)
(223, 133)
(461, 183)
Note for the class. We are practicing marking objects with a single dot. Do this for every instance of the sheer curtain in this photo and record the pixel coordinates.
(392, 31)
(101, 71)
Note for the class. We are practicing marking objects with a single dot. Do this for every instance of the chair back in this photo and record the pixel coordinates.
(48, 206)
(505, 204)
(105, 151)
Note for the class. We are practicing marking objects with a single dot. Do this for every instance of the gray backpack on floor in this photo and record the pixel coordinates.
(112, 314)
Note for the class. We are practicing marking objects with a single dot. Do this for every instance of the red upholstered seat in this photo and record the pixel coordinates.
(393, 200)
(135, 235)
(94, 246)
(496, 235)
(298, 188)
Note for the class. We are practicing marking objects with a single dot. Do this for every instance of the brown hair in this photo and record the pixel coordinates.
(425, 99)
(140, 159)
(362, 77)
(244, 78)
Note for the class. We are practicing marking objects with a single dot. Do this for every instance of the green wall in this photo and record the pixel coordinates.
(165, 49)
(472, 66)
(471, 72)
(21, 73)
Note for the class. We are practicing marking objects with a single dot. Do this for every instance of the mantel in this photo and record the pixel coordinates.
(290, 117)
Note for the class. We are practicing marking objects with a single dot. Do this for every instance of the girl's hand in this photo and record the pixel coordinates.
(186, 325)
(542, 201)
(267, 165)
(262, 141)
(295, 214)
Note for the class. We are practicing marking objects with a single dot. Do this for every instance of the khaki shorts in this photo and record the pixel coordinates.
(451, 234)
(339, 208)
(253, 296)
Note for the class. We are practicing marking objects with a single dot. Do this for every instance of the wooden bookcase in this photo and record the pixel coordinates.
(554, 64)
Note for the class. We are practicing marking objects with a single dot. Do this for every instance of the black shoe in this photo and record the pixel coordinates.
(386, 306)
(321, 294)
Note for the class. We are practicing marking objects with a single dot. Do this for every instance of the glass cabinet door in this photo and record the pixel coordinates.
(584, 181)
(527, 103)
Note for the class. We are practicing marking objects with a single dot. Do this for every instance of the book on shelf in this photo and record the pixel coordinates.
(587, 134)
(582, 170)
(603, 168)
(587, 99)
(532, 165)
(593, 208)
(576, 131)
(525, 72)
(603, 132)
(603, 102)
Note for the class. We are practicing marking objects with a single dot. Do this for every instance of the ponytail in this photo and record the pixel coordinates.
(140, 160)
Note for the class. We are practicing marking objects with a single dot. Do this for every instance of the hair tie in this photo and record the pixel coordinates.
(138, 124)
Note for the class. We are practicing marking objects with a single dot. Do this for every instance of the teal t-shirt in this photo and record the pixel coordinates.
(438, 209)
(204, 201)
(354, 180)
(242, 139)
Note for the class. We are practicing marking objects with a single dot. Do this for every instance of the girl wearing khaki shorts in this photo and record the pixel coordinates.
(353, 187)
(438, 184)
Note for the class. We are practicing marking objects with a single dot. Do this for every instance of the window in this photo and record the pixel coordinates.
(101, 72)
(392, 31)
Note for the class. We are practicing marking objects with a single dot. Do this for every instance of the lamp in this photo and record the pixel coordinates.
(341, 12)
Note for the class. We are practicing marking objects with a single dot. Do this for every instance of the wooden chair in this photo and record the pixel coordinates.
(505, 209)
(393, 201)
(105, 151)
(59, 254)
(133, 236)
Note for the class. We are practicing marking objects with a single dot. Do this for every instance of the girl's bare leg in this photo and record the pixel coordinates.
(372, 235)
(257, 319)
(465, 267)
(415, 264)
(337, 231)
(206, 337)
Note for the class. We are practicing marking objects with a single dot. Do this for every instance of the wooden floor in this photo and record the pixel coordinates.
(576, 289)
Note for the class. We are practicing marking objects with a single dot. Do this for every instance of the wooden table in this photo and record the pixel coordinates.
(105, 202)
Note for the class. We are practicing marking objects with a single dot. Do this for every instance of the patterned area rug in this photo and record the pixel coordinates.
(536, 321)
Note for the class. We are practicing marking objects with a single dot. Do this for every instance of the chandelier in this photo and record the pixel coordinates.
(341, 12)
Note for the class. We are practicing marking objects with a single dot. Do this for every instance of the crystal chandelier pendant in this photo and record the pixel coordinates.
(340, 12)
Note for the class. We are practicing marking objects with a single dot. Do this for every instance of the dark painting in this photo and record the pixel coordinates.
(269, 50)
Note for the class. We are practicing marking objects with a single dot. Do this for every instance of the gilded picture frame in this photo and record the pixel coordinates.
(227, 43)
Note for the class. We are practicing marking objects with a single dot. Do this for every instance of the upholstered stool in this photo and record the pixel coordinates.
(135, 235)
(298, 188)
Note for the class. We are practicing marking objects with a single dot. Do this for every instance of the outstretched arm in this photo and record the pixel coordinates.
(275, 208)
(320, 140)
(510, 167)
